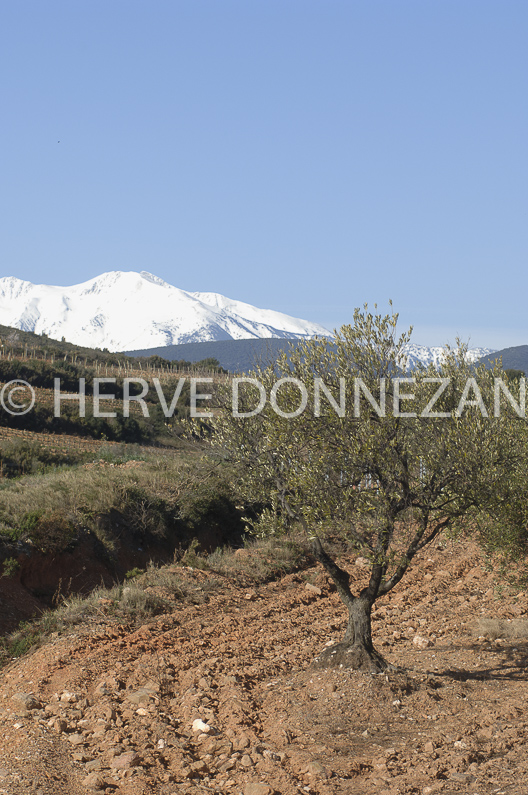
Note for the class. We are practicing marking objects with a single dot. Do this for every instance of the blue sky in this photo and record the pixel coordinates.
(298, 155)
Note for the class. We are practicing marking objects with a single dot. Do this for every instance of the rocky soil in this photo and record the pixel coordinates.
(217, 696)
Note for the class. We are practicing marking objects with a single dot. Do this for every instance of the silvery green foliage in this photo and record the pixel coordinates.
(389, 472)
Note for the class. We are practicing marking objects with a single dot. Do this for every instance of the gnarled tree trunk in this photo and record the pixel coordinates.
(356, 650)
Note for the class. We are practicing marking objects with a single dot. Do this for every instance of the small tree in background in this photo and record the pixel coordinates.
(343, 443)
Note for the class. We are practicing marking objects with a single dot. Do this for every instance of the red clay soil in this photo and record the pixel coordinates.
(111, 709)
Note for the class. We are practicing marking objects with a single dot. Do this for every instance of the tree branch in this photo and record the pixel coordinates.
(340, 577)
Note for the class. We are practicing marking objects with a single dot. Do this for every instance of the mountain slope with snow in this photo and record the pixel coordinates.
(126, 310)
(421, 354)
(131, 311)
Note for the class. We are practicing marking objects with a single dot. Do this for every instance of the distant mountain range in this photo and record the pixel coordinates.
(434, 355)
(123, 310)
(141, 313)
(239, 356)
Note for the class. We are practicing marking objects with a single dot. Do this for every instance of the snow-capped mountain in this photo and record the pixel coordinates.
(417, 354)
(128, 310)
(131, 311)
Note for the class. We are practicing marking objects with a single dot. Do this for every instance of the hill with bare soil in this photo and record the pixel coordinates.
(216, 695)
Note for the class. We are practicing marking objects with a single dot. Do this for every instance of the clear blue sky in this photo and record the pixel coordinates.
(298, 155)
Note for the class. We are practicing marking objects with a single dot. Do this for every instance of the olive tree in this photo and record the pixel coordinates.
(336, 437)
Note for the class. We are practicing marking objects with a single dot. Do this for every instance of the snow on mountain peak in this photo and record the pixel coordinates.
(125, 310)
(421, 354)
(149, 277)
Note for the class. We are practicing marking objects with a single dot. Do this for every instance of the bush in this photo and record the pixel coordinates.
(133, 573)
(147, 514)
(192, 556)
(52, 532)
(23, 457)
(10, 566)
(261, 560)
(209, 501)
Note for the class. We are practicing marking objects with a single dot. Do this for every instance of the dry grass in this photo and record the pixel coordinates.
(159, 589)
(494, 628)
(83, 494)
(260, 560)
(131, 603)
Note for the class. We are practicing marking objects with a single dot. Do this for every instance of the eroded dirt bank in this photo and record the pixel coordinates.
(111, 708)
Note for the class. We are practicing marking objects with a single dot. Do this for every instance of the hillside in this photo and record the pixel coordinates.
(237, 356)
(38, 360)
(111, 705)
(515, 358)
(17, 343)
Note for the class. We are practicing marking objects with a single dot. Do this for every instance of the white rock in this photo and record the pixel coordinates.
(69, 698)
(200, 726)
(363, 563)
(421, 642)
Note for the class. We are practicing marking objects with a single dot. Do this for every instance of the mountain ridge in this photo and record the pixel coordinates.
(514, 358)
(243, 355)
(140, 312)
(125, 309)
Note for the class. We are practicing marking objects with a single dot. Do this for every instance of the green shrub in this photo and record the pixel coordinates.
(52, 532)
(210, 501)
(192, 557)
(133, 573)
(146, 513)
(24, 528)
(10, 566)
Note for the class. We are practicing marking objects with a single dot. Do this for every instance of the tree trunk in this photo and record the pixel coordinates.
(356, 649)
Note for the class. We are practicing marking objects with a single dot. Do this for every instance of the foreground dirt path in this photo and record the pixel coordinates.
(111, 709)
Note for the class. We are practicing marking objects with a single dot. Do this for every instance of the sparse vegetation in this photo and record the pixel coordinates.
(149, 592)
(156, 497)
(10, 567)
(493, 628)
(123, 603)
(24, 457)
(261, 559)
